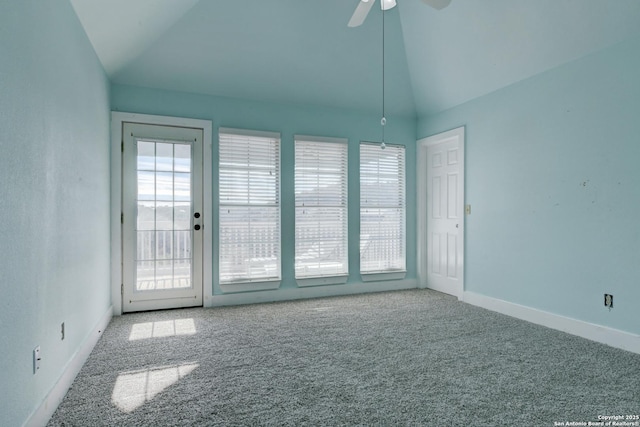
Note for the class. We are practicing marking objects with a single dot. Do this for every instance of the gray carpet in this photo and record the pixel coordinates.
(398, 358)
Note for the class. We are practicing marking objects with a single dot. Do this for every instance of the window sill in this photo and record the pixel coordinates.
(319, 281)
(229, 288)
(378, 277)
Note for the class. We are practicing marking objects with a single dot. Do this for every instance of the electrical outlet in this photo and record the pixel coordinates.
(467, 209)
(62, 331)
(608, 300)
(36, 359)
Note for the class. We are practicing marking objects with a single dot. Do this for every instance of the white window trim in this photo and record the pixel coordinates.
(337, 279)
(322, 280)
(249, 132)
(379, 277)
(251, 285)
(329, 139)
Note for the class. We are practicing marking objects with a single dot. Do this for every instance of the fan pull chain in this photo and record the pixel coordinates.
(383, 121)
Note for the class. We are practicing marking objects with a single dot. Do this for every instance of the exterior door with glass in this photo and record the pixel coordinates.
(162, 218)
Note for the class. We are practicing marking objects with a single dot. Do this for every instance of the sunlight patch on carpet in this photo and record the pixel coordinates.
(322, 308)
(162, 329)
(133, 389)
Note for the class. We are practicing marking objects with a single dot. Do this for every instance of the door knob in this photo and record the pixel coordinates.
(196, 227)
(196, 215)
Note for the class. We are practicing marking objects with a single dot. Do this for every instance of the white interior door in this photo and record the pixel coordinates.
(442, 156)
(162, 218)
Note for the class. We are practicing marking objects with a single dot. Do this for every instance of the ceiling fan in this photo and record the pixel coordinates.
(364, 6)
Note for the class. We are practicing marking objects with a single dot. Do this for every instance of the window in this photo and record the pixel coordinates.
(249, 206)
(382, 212)
(321, 210)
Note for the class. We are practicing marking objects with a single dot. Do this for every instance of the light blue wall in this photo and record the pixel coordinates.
(288, 120)
(54, 202)
(553, 178)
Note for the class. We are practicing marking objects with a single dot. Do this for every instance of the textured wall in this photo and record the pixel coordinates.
(54, 202)
(552, 176)
(289, 120)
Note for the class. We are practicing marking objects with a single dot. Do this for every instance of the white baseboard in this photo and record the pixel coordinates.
(309, 292)
(602, 334)
(45, 410)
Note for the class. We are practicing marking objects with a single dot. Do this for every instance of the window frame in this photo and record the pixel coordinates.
(389, 274)
(258, 283)
(324, 279)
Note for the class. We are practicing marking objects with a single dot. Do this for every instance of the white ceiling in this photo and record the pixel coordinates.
(302, 52)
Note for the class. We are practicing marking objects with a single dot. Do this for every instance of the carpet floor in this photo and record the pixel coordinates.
(414, 357)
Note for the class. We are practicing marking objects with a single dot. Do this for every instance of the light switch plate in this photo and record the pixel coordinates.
(36, 359)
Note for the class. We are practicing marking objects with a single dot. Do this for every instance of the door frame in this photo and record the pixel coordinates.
(117, 122)
(421, 201)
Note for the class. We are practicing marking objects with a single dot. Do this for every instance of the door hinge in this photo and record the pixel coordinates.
(122, 146)
(121, 288)
(121, 218)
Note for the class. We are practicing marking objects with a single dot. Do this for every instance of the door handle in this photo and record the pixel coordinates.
(197, 226)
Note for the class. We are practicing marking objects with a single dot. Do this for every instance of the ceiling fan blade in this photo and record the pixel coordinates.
(361, 12)
(437, 4)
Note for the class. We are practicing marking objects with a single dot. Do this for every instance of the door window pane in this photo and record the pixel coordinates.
(146, 247)
(164, 274)
(182, 273)
(164, 186)
(182, 216)
(182, 158)
(146, 275)
(182, 245)
(164, 226)
(146, 185)
(146, 215)
(164, 157)
(164, 216)
(182, 186)
(164, 244)
(146, 156)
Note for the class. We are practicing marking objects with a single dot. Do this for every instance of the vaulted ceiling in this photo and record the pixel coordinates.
(302, 52)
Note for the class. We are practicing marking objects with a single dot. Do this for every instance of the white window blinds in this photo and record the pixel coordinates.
(249, 206)
(321, 231)
(382, 209)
